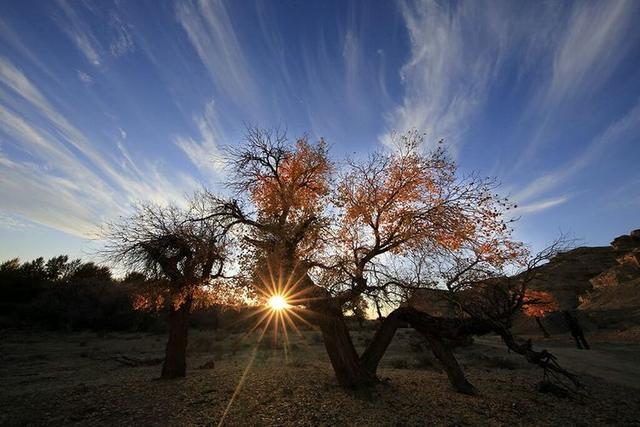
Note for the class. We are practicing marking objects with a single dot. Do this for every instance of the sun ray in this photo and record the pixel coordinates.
(282, 315)
(303, 319)
(243, 377)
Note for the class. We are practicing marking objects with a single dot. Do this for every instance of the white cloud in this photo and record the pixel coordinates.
(11, 222)
(540, 205)
(122, 41)
(79, 33)
(30, 191)
(596, 38)
(64, 181)
(588, 48)
(212, 34)
(455, 51)
(84, 77)
(205, 153)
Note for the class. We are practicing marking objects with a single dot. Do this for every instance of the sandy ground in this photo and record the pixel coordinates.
(80, 379)
(611, 361)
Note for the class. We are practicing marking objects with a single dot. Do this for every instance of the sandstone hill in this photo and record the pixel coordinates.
(593, 277)
(602, 284)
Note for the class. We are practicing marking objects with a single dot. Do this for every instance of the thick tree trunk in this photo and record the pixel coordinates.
(328, 316)
(542, 328)
(353, 371)
(175, 362)
(381, 340)
(350, 373)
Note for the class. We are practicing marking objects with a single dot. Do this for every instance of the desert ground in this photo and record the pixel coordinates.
(111, 379)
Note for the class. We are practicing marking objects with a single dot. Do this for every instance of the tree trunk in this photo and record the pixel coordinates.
(350, 373)
(450, 364)
(576, 330)
(381, 340)
(378, 346)
(327, 314)
(175, 363)
(542, 328)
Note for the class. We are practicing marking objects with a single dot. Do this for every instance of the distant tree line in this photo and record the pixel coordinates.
(63, 294)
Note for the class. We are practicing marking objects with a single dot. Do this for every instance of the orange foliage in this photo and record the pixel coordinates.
(297, 186)
(538, 303)
(401, 200)
(144, 302)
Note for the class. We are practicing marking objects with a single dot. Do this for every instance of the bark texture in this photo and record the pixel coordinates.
(175, 362)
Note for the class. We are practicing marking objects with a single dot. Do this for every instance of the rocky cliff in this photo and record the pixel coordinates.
(618, 287)
(576, 277)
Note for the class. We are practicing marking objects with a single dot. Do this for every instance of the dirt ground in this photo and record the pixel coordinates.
(85, 379)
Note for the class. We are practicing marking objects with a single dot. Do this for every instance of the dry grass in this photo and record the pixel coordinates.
(73, 379)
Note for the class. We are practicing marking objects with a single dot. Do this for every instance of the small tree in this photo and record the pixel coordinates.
(182, 256)
(537, 304)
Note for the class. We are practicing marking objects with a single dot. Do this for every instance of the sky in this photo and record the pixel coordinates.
(105, 103)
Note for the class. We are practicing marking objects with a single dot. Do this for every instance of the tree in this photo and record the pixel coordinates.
(181, 254)
(325, 240)
(537, 304)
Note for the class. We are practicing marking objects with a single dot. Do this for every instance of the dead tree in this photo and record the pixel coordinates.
(182, 256)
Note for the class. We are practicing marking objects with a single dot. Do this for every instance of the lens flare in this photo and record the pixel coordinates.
(277, 303)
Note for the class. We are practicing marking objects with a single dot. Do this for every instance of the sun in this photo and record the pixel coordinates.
(277, 303)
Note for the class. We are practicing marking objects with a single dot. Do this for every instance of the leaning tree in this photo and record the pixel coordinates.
(180, 256)
(324, 236)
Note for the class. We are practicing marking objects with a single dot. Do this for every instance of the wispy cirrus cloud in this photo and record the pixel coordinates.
(211, 32)
(63, 180)
(551, 180)
(117, 41)
(10, 222)
(205, 151)
(540, 206)
(592, 44)
(596, 38)
(461, 52)
(79, 32)
(455, 52)
(121, 42)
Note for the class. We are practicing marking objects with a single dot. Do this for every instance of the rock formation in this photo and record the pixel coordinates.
(603, 283)
(575, 276)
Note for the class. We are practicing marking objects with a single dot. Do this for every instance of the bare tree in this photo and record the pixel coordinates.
(181, 254)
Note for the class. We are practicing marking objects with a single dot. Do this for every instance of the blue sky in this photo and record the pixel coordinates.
(105, 103)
